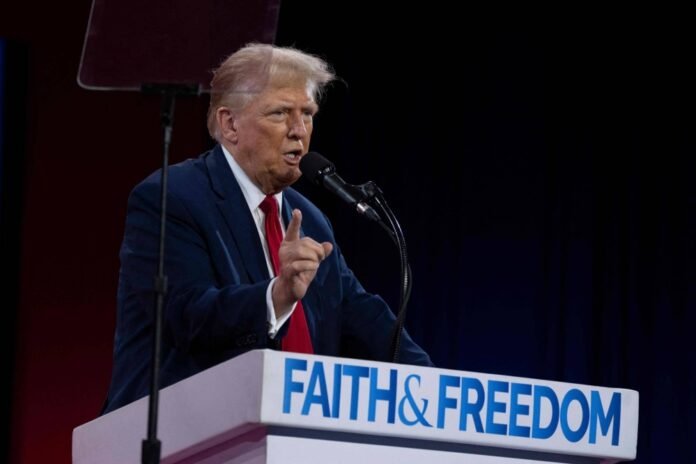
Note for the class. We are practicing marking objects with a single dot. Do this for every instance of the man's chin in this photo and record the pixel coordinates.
(287, 179)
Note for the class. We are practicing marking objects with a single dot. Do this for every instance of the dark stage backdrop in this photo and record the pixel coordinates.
(543, 170)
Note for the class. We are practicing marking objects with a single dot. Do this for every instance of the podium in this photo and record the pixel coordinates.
(274, 407)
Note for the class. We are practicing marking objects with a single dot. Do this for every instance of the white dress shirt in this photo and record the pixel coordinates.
(254, 196)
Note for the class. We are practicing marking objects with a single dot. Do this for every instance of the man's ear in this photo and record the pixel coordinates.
(227, 123)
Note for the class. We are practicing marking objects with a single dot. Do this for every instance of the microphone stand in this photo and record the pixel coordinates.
(370, 191)
(151, 446)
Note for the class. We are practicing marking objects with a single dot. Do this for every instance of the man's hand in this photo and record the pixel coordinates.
(299, 260)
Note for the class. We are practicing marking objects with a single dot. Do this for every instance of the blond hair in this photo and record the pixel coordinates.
(249, 70)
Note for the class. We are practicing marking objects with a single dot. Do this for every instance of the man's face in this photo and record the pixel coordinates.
(270, 135)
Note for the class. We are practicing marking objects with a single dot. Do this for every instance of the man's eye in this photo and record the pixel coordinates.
(277, 114)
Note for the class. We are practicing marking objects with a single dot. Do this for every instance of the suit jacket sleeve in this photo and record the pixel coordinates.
(369, 323)
(201, 312)
(363, 321)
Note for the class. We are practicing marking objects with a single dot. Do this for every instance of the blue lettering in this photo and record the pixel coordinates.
(290, 386)
(472, 409)
(317, 378)
(540, 392)
(570, 434)
(355, 373)
(382, 394)
(470, 401)
(336, 403)
(443, 401)
(516, 409)
(495, 386)
(613, 414)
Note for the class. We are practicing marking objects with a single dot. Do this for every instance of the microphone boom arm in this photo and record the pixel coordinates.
(373, 194)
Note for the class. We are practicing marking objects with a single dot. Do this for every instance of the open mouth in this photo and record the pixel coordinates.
(293, 157)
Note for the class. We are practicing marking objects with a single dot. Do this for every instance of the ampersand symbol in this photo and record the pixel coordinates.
(417, 412)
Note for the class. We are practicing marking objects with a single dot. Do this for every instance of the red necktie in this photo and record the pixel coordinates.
(297, 339)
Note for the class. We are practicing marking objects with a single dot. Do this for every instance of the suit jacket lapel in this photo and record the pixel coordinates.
(233, 208)
(286, 212)
(238, 218)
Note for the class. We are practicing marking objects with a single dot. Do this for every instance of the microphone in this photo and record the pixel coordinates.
(322, 172)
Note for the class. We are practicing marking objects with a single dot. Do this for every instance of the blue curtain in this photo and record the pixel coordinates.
(544, 174)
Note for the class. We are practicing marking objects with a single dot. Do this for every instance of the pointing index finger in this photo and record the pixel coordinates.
(293, 232)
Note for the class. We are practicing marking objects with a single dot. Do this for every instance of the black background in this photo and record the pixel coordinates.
(540, 162)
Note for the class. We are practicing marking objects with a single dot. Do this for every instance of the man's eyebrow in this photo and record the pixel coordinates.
(288, 105)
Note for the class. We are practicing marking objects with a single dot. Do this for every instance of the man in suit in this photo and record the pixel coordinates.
(250, 262)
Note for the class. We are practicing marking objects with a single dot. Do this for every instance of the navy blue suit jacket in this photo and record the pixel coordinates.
(215, 308)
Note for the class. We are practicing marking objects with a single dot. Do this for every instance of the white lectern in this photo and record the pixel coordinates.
(274, 407)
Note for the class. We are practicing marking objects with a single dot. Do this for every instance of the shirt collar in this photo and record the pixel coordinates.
(252, 194)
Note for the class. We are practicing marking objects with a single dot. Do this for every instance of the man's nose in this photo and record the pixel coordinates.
(298, 127)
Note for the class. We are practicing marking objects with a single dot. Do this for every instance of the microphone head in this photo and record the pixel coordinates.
(315, 167)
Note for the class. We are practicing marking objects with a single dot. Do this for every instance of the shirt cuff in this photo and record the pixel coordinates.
(274, 323)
